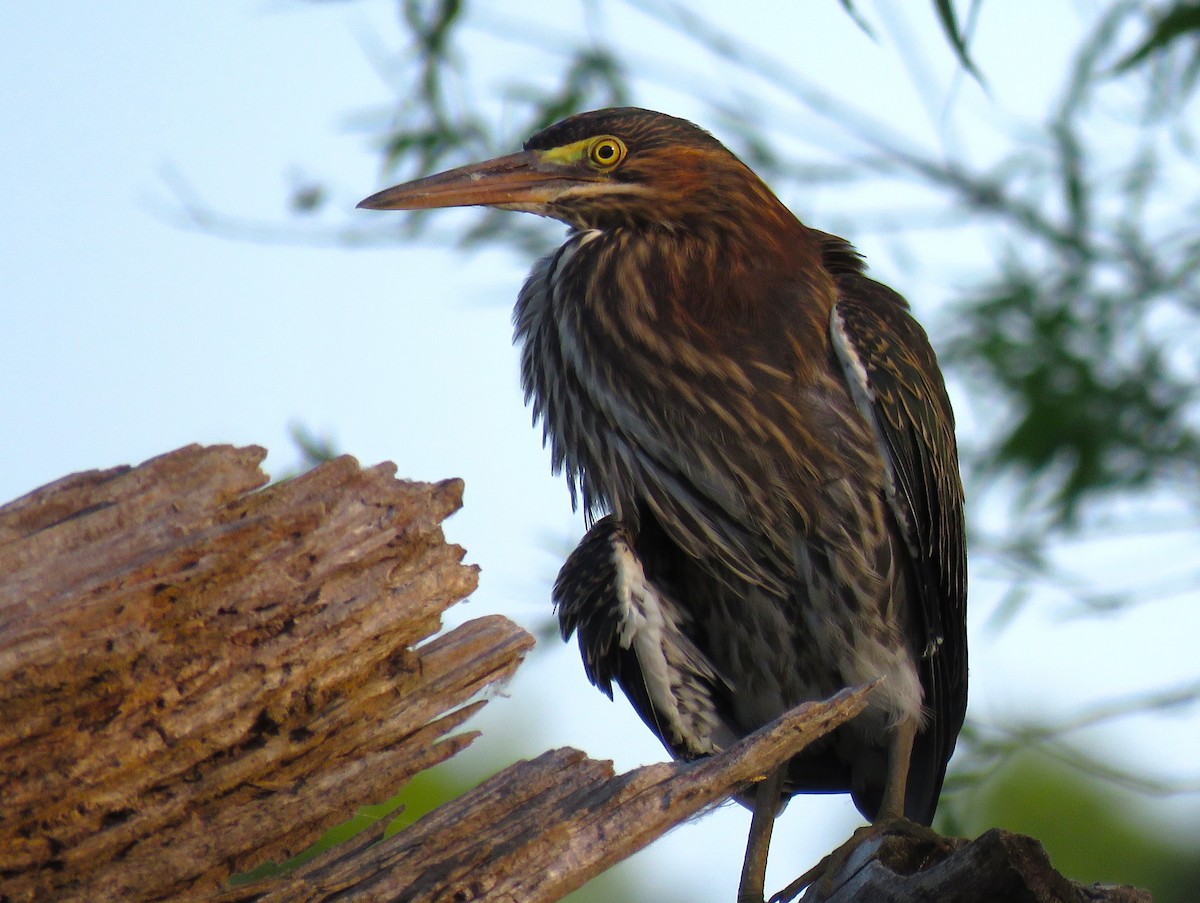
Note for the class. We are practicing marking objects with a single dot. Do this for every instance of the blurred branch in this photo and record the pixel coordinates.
(985, 748)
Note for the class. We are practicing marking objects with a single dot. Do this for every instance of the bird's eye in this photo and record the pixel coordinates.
(606, 152)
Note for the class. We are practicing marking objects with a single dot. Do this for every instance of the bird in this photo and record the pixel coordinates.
(761, 439)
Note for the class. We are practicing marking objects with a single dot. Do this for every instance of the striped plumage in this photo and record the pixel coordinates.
(762, 437)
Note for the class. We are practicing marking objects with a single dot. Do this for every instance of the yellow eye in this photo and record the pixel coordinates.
(606, 152)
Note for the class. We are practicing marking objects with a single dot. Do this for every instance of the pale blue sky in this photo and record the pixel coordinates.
(125, 335)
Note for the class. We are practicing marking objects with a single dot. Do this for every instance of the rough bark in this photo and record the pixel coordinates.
(196, 676)
(916, 865)
(540, 829)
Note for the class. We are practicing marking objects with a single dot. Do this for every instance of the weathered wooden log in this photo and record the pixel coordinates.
(917, 865)
(196, 676)
(540, 829)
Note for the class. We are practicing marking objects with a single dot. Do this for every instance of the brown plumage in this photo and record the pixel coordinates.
(762, 440)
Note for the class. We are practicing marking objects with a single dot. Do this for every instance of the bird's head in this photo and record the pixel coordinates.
(616, 167)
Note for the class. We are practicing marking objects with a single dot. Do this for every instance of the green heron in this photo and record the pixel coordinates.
(761, 439)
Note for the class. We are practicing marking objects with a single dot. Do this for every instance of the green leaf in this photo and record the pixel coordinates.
(848, 6)
(1181, 20)
(949, 22)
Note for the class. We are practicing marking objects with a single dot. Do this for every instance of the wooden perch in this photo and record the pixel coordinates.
(196, 677)
(914, 866)
(540, 829)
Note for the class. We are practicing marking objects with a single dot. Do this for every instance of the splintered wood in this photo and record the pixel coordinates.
(540, 829)
(196, 676)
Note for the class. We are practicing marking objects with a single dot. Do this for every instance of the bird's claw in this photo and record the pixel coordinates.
(838, 867)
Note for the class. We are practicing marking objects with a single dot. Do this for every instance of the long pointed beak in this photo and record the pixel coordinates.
(523, 180)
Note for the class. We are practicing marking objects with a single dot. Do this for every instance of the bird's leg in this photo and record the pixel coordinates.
(900, 750)
(762, 822)
(891, 810)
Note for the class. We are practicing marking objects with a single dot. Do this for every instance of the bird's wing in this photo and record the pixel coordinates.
(894, 377)
(631, 631)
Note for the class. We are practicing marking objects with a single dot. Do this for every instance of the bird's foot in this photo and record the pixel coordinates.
(840, 866)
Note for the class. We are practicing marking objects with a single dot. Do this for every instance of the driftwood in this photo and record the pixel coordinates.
(196, 677)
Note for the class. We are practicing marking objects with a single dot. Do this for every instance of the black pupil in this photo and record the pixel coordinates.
(605, 152)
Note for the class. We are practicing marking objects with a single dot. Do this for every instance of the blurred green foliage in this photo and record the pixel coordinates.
(1092, 833)
(424, 793)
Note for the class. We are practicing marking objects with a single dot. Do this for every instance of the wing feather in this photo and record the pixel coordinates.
(631, 630)
(894, 377)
